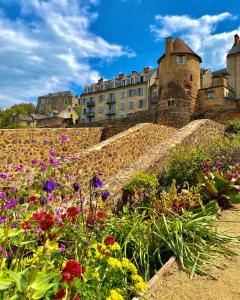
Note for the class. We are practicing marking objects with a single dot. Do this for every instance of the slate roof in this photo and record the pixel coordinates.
(220, 72)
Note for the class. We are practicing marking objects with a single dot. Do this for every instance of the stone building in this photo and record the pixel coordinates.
(56, 102)
(118, 98)
(174, 93)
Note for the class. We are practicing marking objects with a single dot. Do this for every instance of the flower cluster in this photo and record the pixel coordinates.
(44, 219)
(71, 271)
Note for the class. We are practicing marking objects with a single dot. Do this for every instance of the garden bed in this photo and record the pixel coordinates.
(178, 286)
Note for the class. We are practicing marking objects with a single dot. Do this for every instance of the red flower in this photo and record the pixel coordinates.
(71, 271)
(26, 225)
(101, 214)
(60, 294)
(72, 213)
(45, 220)
(107, 253)
(31, 199)
(76, 298)
(109, 240)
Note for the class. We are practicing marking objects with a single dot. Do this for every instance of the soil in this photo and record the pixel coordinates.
(178, 286)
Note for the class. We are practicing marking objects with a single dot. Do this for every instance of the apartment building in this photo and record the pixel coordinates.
(56, 102)
(117, 98)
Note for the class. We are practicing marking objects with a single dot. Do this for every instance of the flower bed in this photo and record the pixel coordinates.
(58, 242)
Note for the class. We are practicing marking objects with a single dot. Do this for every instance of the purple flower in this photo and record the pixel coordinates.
(12, 189)
(50, 197)
(34, 162)
(64, 155)
(3, 175)
(19, 169)
(3, 195)
(54, 162)
(42, 167)
(11, 203)
(76, 186)
(50, 186)
(52, 152)
(96, 182)
(8, 255)
(43, 201)
(3, 219)
(218, 164)
(105, 195)
(64, 138)
(61, 248)
(1, 249)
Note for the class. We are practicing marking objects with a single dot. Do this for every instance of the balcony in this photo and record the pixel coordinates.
(110, 113)
(111, 100)
(90, 103)
(90, 114)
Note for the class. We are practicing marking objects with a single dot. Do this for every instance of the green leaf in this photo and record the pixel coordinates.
(5, 284)
(39, 294)
(234, 196)
(42, 280)
(20, 279)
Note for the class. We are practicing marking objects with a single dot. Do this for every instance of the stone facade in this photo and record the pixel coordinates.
(118, 98)
(20, 146)
(177, 89)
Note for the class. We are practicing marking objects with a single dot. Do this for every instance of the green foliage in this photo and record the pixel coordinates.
(145, 181)
(183, 167)
(22, 109)
(233, 127)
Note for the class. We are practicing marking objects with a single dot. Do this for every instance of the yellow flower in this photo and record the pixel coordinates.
(129, 266)
(114, 262)
(115, 247)
(137, 278)
(96, 276)
(141, 285)
(114, 295)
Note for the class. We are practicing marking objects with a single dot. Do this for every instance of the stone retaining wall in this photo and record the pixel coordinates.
(156, 159)
(20, 146)
(117, 152)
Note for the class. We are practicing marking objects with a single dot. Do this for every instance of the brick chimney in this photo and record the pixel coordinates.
(236, 39)
(146, 70)
(169, 45)
(100, 80)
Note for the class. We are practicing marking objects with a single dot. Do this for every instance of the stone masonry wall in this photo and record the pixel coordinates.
(156, 159)
(20, 146)
(117, 152)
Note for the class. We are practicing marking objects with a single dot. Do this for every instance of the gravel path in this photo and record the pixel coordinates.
(178, 286)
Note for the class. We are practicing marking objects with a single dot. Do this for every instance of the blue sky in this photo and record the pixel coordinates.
(51, 45)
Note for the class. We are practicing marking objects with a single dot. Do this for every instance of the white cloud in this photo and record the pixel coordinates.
(48, 47)
(200, 34)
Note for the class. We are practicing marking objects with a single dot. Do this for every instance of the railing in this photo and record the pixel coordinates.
(90, 114)
(90, 103)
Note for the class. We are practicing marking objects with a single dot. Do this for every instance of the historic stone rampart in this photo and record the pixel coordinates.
(156, 159)
(20, 146)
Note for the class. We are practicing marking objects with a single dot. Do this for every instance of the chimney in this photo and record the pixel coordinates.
(236, 39)
(169, 45)
(100, 80)
(146, 70)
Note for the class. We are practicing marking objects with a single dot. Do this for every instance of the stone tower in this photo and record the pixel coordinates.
(179, 79)
(233, 66)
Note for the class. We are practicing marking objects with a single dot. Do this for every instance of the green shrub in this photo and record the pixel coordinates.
(233, 126)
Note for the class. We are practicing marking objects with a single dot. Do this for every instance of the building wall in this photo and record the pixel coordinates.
(20, 146)
(50, 102)
(206, 80)
(69, 113)
(101, 108)
(233, 68)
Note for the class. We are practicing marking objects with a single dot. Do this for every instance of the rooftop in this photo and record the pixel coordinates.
(236, 46)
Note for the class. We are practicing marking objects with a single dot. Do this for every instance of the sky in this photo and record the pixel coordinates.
(52, 45)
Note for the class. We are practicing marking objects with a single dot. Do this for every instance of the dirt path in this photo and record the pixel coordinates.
(178, 286)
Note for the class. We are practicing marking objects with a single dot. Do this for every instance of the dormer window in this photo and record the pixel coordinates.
(123, 82)
(132, 80)
(181, 59)
(112, 85)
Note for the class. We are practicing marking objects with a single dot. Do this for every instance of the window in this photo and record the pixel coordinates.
(84, 101)
(101, 98)
(181, 59)
(139, 91)
(210, 95)
(101, 109)
(141, 103)
(122, 106)
(112, 96)
(171, 103)
(132, 80)
(123, 82)
(130, 105)
(123, 95)
(112, 85)
(66, 101)
(141, 79)
(131, 92)
(137, 79)
(191, 78)
(49, 101)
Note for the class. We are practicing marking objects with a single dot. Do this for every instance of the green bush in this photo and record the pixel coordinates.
(233, 126)
(185, 162)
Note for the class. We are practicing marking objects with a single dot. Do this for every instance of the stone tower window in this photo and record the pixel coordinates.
(181, 59)
(210, 95)
(171, 103)
(191, 77)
